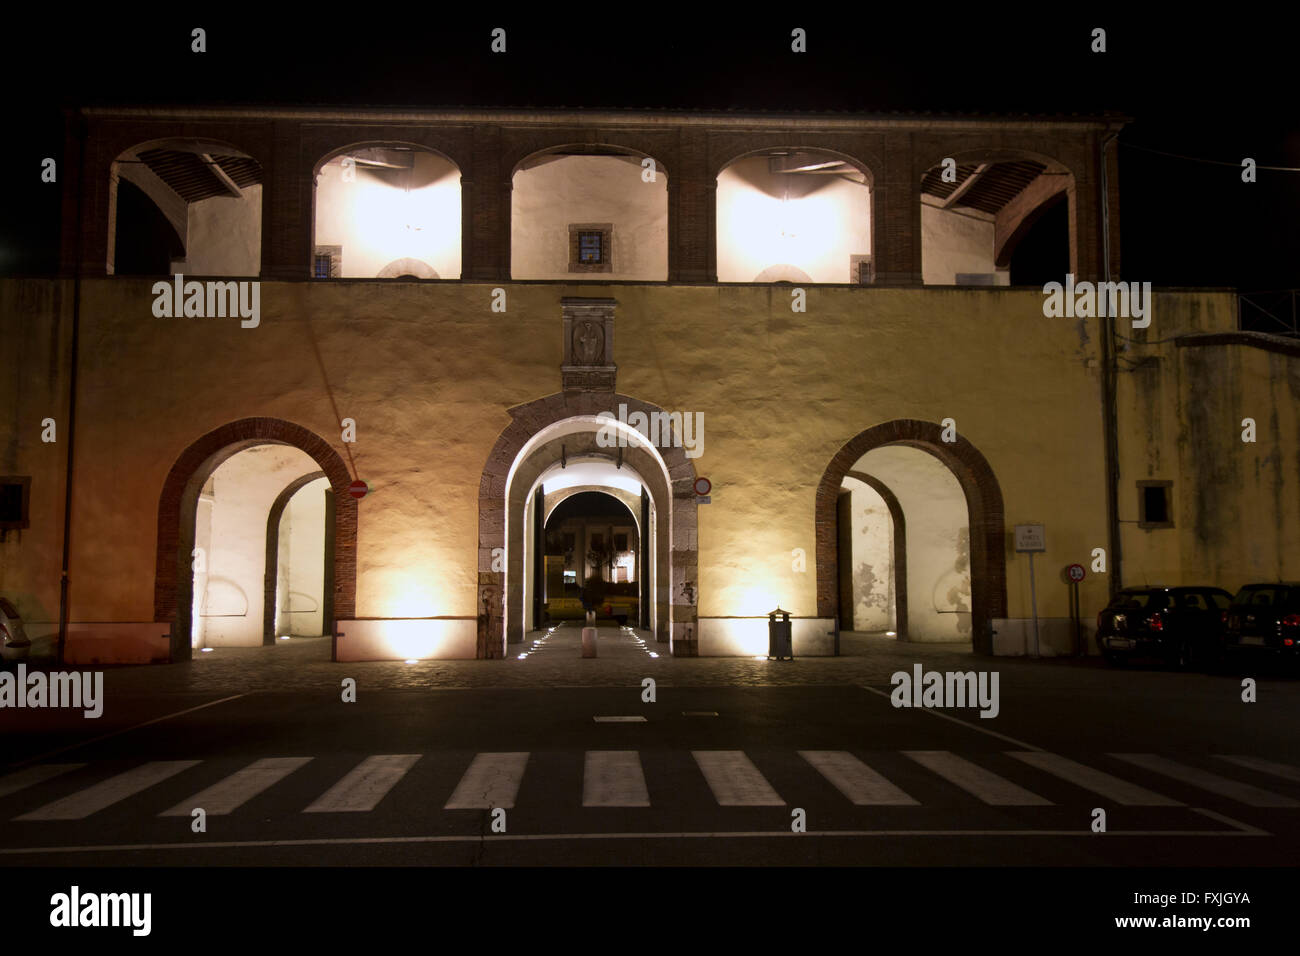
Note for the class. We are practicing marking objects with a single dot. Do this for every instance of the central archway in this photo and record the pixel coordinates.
(530, 445)
(984, 506)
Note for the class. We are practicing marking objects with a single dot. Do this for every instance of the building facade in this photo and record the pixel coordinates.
(789, 343)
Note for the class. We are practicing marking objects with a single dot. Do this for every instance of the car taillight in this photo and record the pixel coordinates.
(1155, 622)
(1291, 620)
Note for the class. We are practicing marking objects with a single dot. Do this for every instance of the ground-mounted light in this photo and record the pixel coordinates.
(207, 650)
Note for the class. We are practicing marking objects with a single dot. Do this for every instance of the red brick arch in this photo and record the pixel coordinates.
(173, 580)
(984, 514)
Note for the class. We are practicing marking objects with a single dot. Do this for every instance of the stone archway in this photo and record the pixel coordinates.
(984, 509)
(177, 505)
(683, 558)
(407, 267)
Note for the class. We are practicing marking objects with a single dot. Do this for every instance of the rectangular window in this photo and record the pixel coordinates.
(1155, 505)
(591, 248)
(15, 500)
(620, 542)
(597, 542)
(327, 262)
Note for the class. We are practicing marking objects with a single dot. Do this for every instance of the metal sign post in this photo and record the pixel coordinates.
(1030, 538)
(1075, 573)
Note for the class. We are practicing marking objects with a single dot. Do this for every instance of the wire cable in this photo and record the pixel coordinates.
(1212, 162)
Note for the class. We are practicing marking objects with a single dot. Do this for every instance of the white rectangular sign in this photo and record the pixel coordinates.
(1030, 537)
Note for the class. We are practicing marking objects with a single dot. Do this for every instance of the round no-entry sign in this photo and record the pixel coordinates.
(703, 486)
(358, 489)
(1075, 572)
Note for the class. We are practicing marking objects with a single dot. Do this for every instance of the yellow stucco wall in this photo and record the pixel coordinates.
(428, 371)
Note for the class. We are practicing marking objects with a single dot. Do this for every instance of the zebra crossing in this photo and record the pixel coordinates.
(617, 779)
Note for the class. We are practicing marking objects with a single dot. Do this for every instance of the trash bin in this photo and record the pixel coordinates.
(780, 642)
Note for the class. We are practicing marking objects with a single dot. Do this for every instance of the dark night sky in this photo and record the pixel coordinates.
(1213, 89)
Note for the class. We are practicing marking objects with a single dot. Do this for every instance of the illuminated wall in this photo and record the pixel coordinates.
(564, 190)
(300, 590)
(430, 376)
(957, 241)
(243, 490)
(225, 236)
(814, 223)
(383, 215)
(938, 541)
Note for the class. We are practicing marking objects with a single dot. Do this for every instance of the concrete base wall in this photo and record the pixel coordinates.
(406, 639)
(117, 643)
(1014, 637)
(747, 637)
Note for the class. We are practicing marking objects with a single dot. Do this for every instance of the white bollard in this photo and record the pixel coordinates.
(588, 642)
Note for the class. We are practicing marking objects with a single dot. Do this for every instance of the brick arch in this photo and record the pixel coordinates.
(177, 505)
(1035, 200)
(517, 162)
(867, 164)
(529, 420)
(985, 516)
(383, 143)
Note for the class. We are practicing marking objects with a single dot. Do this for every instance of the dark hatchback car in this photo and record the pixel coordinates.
(1181, 626)
(1264, 620)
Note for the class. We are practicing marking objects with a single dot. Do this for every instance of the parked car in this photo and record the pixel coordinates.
(14, 644)
(1182, 626)
(1264, 621)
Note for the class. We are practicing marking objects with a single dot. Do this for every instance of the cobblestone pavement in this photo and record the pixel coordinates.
(302, 664)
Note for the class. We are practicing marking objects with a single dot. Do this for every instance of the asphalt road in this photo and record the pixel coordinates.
(711, 775)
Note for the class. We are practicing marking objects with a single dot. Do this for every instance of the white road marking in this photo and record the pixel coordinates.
(854, 779)
(83, 803)
(619, 720)
(1283, 770)
(365, 785)
(734, 780)
(1240, 831)
(987, 786)
(241, 786)
(613, 778)
(125, 730)
(22, 779)
(1089, 778)
(964, 723)
(1224, 787)
(492, 780)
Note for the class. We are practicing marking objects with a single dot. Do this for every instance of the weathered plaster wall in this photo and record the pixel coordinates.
(589, 189)
(812, 222)
(385, 214)
(874, 601)
(1235, 505)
